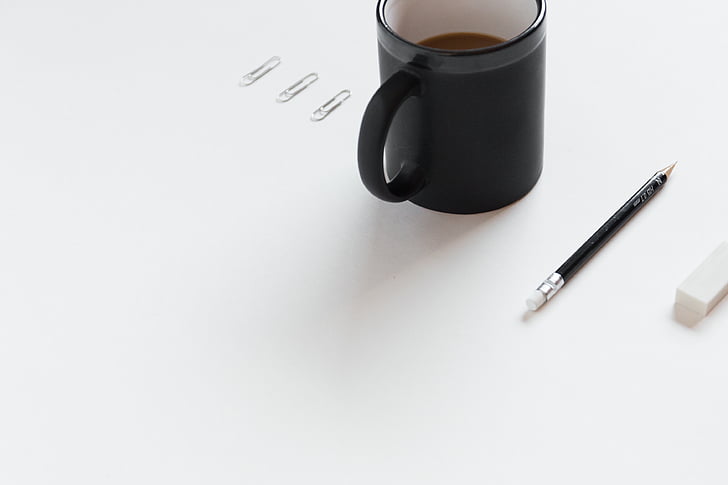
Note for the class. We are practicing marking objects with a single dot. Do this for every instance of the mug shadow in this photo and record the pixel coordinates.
(398, 237)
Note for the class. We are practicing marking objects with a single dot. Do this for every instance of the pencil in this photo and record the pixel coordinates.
(561, 276)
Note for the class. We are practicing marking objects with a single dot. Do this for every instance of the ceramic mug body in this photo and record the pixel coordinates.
(463, 129)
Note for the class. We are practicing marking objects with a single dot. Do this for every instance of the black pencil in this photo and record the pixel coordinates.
(558, 279)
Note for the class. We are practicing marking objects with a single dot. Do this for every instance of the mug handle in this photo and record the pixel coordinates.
(373, 135)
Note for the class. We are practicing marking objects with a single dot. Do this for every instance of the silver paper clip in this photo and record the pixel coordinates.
(267, 67)
(297, 88)
(327, 108)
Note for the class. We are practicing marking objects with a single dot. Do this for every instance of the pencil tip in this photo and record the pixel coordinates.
(668, 170)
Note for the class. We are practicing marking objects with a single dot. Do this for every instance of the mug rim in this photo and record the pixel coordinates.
(381, 18)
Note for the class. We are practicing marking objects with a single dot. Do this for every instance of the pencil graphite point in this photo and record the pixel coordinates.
(668, 170)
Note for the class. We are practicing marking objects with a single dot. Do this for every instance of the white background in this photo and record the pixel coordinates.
(195, 288)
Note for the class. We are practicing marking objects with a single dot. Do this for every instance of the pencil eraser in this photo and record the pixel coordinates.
(707, 285)
(536, 301)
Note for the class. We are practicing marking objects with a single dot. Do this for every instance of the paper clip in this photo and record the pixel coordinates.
(327, 108)
(297, 88)
(253, 76)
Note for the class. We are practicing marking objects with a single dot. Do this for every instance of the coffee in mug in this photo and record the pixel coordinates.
(460, 41)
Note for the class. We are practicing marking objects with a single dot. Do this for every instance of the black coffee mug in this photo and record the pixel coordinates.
(463, 129)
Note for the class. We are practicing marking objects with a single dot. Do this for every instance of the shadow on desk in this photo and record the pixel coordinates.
(398, 237)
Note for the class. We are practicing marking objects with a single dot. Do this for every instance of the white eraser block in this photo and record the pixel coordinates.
(707, 285)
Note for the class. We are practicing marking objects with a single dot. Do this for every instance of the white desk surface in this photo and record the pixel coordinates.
(195, 288)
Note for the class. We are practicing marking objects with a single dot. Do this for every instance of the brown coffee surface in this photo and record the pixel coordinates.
(460, 41)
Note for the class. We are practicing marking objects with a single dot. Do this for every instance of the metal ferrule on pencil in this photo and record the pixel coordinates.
(546, 291)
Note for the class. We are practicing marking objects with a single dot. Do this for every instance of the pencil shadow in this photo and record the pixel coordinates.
(397, 237)
(527, 316)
